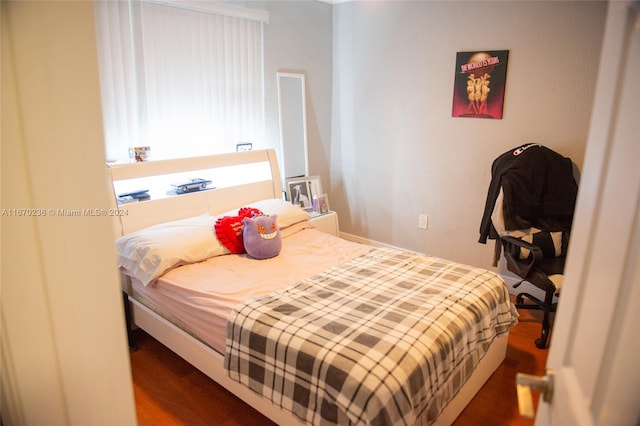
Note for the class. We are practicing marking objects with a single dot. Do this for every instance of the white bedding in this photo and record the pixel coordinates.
(200, 296)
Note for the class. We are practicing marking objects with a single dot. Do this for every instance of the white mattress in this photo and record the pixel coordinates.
(200, 296)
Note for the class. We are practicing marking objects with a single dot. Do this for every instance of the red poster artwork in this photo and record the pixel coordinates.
(479, 84)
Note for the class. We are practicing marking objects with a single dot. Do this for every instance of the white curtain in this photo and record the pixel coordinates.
(184, 82)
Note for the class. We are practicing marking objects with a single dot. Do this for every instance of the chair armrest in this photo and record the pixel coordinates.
(517, 242)
(515, 264)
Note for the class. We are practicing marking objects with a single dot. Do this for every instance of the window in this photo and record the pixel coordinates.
(178, 78)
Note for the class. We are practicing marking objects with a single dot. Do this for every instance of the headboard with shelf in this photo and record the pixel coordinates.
(262, 182)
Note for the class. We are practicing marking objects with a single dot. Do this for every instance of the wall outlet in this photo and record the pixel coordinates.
(423, 221)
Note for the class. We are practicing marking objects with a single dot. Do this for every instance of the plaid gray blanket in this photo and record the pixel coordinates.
(385, 339)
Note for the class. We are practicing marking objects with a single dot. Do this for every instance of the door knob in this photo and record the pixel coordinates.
(527, 382)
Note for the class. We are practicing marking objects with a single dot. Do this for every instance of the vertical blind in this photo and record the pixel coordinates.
(182, 81)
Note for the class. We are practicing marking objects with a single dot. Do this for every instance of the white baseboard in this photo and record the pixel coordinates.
(512, 280)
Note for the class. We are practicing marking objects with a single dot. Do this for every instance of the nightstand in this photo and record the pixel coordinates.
(326, 222)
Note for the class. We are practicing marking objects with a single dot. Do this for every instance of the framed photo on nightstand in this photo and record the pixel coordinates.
(315, 186)
(299, 193)
(321, 204)
(302, 190)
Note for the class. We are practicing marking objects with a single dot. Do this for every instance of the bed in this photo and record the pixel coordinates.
(329, 331)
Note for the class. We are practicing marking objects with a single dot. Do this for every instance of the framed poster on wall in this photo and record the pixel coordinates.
(479, 84)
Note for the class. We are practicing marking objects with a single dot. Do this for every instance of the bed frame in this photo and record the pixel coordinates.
(135, 216)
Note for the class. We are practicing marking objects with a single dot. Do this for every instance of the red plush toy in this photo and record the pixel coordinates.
(229, 229)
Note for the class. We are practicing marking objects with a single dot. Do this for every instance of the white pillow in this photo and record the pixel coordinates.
(288, 214)
(148, 253)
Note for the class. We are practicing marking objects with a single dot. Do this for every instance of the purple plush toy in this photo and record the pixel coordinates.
(261, 236)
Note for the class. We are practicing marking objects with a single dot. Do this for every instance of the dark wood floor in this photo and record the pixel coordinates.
(169, 391)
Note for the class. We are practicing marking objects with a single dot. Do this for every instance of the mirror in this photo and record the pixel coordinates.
(293, 125)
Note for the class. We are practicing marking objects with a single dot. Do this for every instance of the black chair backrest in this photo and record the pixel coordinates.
(539, 189)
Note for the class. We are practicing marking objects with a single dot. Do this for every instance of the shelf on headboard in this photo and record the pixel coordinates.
(238, 178)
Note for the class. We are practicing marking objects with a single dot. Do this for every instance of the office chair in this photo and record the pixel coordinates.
(529, 212)
(541, 268)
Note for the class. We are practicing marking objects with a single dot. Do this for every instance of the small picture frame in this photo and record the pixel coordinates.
(302, 190)
(244, 147)
(299, 193)
(315, 185)
(141, 153)
(321, 204)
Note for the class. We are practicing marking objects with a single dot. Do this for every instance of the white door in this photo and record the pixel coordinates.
(596, 340)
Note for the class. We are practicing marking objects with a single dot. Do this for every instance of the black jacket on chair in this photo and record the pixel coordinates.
(539, 190)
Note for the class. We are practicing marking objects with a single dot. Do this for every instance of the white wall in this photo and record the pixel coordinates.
(64, 352)
(397, 152)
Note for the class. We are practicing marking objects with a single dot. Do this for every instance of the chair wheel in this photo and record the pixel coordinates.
(540, 344)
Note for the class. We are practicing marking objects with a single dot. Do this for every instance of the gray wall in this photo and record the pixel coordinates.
(396, 151)
(298, 39)
(379, 93)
